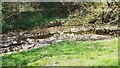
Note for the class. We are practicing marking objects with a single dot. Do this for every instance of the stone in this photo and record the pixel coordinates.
(14, 37)
(14, 42)
(5, 45)
(11, 34)
(58, 36)
(71, 34)
(21, 33)
(74, 30)
(29, 40)
(94, 37)
(58, 40)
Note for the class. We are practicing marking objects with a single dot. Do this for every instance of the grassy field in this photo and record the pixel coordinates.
(68, 53)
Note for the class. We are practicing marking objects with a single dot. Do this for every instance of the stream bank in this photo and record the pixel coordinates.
(26, 40)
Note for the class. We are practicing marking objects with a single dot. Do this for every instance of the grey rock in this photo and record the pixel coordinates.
(14, 42)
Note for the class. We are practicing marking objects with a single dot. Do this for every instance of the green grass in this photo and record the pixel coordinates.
(68, 53)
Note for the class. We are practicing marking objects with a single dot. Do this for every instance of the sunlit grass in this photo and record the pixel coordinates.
(68, 53)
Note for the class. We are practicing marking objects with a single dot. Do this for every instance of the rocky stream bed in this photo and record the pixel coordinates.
(26, 40)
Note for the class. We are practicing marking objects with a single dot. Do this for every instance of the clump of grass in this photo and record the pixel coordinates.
(68, 53)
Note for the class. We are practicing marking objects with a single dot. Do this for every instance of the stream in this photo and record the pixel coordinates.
(36, 38)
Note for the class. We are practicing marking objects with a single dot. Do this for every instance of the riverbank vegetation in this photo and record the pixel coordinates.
(21, 16)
